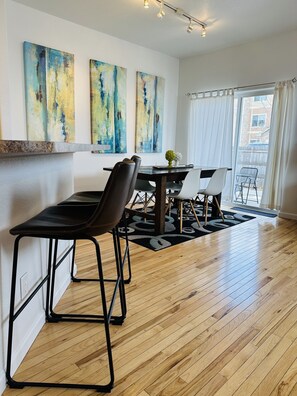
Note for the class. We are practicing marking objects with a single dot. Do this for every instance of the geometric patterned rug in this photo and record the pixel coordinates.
(142, 232)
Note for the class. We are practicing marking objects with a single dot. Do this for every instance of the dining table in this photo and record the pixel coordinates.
(160, 175)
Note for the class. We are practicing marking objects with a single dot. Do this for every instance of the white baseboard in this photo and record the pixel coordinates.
(35, 319)
(35, 329)
(285, 215)
(2, 381)
(61, 290)
(18, 355)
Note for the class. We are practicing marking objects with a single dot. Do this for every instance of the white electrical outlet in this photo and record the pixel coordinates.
(24, 285)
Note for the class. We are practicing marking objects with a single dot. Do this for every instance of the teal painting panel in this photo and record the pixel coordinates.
(49, 92)
(35, 91)
(149, 113)
(108, 106)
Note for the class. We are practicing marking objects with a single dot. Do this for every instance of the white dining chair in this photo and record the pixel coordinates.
(215, 187)
(187, 193)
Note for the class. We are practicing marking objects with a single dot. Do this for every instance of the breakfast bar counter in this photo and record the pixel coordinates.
(11, 148)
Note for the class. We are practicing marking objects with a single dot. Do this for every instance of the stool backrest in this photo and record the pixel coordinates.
(137, 161)
(114, 199)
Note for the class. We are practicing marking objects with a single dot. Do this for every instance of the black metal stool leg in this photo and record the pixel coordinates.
(10, 381)
(49, 265)
(119, 264)
(50, 317)
(73, 278)
(127, 252)
(106, 315)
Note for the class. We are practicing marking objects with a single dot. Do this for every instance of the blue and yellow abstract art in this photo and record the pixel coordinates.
(108, 106)
(149, 113)
(49, 86)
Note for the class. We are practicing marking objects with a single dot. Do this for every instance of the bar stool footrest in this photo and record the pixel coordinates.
(21, 384)
(55, 318)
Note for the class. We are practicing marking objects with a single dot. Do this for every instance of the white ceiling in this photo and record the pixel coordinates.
(230, 22)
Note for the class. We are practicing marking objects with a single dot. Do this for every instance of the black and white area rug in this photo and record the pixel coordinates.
(142, 232)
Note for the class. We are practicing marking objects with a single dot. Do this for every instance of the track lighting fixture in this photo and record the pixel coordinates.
(180, 13)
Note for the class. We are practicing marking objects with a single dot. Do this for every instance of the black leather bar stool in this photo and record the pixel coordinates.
(93, 197)
(66, 222)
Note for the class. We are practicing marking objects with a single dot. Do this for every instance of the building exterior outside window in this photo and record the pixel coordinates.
(258, 120)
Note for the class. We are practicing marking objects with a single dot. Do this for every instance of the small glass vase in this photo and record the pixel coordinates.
(176, 162)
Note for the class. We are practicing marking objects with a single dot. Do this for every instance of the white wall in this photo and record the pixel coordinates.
(269, 60)
(28, 185)
(4, 87)
(27, 24)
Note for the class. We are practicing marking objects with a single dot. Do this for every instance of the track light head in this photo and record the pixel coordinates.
(161, 12)
(203, 31)
(146, 4)
(190, 27)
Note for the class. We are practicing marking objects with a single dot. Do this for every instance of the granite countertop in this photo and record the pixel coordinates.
(12, 148)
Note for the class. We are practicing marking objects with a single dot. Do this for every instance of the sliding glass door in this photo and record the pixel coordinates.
(252, 114)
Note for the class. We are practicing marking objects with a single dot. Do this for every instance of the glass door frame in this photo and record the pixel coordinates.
(239, 95)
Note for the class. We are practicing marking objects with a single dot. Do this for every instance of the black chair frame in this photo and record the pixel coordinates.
(51, 316)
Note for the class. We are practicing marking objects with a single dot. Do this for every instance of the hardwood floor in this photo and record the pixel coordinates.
(213, 316)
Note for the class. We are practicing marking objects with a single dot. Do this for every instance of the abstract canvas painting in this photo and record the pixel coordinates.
(149, 113)
(49, 86)
(108, 106)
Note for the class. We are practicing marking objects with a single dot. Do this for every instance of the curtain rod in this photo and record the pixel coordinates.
(242, 87)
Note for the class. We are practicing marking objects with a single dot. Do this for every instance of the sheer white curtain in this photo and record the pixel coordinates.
(280, 138)
(210, 132)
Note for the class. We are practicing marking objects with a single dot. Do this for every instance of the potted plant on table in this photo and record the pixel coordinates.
(170, 156)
